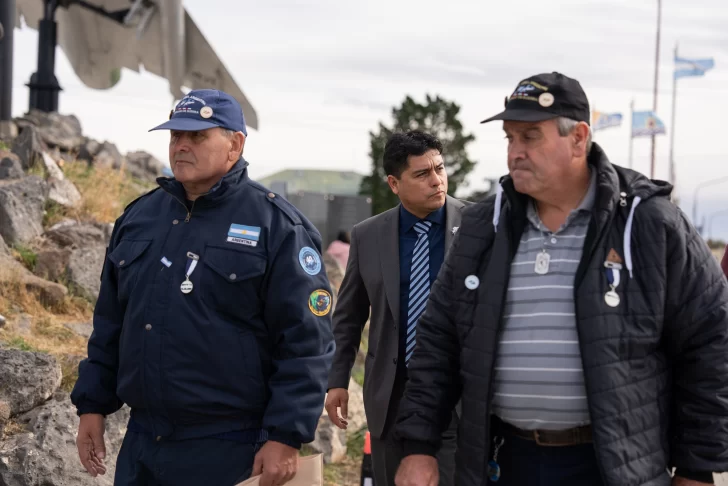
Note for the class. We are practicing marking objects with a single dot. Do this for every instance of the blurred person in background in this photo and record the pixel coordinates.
(339, 248)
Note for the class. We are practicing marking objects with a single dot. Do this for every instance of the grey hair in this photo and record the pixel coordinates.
(566, 126)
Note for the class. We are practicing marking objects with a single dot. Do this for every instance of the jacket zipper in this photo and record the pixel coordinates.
(499, 333)
(586, 257)
(188, 211)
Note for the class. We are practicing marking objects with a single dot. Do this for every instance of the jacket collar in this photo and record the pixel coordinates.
(237, 174)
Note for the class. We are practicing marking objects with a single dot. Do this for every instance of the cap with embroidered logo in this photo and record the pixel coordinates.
(201, 109)
(543, 97)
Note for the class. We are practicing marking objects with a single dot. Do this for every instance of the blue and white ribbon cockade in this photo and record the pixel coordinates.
(613, 277)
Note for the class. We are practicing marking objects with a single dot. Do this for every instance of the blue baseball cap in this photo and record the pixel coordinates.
(201, 109)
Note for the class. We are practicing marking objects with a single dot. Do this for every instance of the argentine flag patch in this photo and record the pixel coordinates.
(243, 235)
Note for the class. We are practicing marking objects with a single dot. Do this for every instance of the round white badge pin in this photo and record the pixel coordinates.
(186, 287)
(206, 112)
(472, 282)
(611, 298)
(546, 100)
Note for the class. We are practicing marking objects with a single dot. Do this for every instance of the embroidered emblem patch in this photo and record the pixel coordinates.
(319, 302)
(243, 235)
(309, 260)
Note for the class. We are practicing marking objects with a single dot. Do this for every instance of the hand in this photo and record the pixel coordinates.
(338, 398)
(90, 443)
(678, 481)
(417, 470)
(278, 464)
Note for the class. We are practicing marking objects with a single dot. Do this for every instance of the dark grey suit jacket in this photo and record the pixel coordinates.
(372, 280)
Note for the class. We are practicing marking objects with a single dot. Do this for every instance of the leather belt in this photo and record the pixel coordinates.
(550, 438)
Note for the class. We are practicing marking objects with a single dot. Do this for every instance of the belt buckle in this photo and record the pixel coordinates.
(537, 438)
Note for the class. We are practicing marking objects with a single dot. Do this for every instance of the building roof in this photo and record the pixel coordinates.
(339, 182)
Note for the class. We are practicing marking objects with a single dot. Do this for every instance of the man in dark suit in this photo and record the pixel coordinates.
(393, 260)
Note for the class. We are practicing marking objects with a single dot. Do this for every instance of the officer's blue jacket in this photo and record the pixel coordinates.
(249, 348)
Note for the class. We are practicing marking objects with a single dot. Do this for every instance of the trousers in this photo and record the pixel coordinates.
(524, 463)
(143, 461)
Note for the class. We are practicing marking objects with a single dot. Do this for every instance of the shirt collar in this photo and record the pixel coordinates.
(407, 220)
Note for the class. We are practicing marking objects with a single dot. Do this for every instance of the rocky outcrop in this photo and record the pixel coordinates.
(21, 209)
(27, 379)
(74, 251)
(45, 453)
(10, 166)
(29, 147)
(144, 166)
(12, 273)
(41, 450)
(330, 440)
(61, 190)
(56, 130)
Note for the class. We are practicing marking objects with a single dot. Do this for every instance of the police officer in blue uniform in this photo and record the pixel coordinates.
(212, 323)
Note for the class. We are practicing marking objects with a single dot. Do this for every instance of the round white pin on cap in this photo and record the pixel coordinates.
(206, 112)
(546, 100)
(472, 282)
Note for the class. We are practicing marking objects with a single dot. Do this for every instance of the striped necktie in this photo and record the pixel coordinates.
(419, 284)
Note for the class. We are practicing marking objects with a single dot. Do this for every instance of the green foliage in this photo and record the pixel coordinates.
(20, 343)
(355, 444)
(26, 256)
(437, 117)
(716, 244)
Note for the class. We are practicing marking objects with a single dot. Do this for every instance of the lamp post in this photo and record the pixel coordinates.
(710, 221)
(657, 73)
(7, 23)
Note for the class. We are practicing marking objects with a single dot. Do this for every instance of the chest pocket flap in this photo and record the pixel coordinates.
(235, 266)
(127, 251)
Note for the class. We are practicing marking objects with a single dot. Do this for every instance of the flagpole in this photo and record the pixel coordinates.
(631, 138)
(672, 125)
(657, 72)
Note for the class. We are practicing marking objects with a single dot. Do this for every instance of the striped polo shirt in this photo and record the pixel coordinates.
(539, 378)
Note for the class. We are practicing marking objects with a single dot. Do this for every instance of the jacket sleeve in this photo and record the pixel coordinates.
(299, 322)
(95, 389)
(696, 336)
(433, 387)
(350, 317)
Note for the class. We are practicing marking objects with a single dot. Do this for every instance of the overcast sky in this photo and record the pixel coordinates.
(322, 73)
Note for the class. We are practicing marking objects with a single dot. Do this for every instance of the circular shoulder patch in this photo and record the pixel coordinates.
(319, 302)
(309, 260)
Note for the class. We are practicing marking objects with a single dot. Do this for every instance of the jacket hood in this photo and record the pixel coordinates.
(615, 185)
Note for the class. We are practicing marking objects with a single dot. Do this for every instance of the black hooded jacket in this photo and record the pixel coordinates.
(656, 366)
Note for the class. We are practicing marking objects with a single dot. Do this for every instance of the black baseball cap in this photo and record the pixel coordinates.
(543, 97)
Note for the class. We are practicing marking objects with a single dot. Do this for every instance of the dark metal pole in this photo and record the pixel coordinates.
(657, 72)
(7, 19)
(43, 84)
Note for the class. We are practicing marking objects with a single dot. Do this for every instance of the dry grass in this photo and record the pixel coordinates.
(47, 332)
(105, 193)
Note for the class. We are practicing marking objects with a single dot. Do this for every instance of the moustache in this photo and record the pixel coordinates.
(520, 164)
(184, 158)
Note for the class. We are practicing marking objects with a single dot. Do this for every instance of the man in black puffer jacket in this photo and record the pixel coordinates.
(579, 316)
